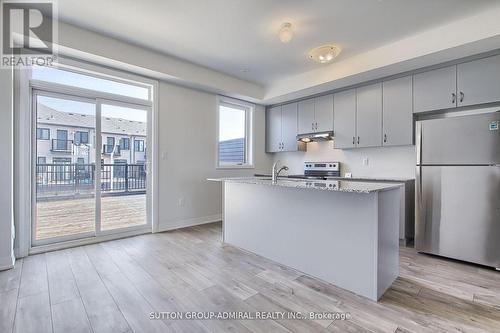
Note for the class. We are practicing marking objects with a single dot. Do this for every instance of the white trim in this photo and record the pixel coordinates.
(86, 241)
(249, 109)
(11, 262)
(86, 93)
(25, 129)
(166, 226)
(153, 142)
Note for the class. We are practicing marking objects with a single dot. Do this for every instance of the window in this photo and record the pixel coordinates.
(125, 144)
(91, 82)
(110, 145)
(234, 137)
(43, 134)
(81, 138)
(139, 145)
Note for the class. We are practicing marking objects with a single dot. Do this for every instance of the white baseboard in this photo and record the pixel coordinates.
(172, 225)
(6, 263)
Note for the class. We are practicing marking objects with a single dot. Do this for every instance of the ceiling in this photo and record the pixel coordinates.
(239, 37)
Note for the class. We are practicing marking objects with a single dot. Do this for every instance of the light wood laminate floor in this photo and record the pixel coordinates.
(113, 287)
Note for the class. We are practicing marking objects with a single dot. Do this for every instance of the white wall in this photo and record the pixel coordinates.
(6, 189)
(187, 149)
(398, 162)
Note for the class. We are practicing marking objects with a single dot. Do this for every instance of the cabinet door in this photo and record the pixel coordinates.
(306, 116)
(273, 129)
(289, 127)
(479, 81)
(397, 112)
(344, 119)
(323, 113)
(435, 90)
(369, 116)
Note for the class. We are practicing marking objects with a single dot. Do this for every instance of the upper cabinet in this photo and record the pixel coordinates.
(478, 81)
(306, 116)
(281, 129)
(323, 113)
(315, 115)
(435, 90)
(381, 114)
(397, 118)
(289, 127)
(369, 116)
(344, 119)
(273, 129)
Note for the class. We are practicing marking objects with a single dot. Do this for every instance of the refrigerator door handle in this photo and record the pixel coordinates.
(418, 140)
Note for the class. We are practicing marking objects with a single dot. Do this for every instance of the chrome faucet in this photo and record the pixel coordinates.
(276, 172)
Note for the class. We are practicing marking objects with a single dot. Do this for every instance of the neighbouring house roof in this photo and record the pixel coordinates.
(47, 115)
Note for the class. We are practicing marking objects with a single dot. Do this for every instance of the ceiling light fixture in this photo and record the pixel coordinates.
(286, 33)
(324, 54)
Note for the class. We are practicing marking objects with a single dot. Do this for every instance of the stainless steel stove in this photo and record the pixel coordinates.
(319, 170)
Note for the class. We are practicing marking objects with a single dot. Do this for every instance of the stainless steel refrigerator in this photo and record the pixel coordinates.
(458, 187)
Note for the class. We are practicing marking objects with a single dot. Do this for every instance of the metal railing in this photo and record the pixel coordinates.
(62, 145)
(76, 178)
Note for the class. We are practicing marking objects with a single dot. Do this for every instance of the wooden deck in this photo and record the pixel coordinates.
(113, 287)
(75, 216)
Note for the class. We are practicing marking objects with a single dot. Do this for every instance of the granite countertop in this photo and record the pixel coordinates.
(360, 178)
(324, 185)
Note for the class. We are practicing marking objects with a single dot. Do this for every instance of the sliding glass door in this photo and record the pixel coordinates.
(64, 173)
(90, 175)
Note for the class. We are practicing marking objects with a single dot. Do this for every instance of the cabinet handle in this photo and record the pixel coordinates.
(385, 137)
(453, 98)
(358, 140)
(461, 97)
(353, 140)
(312, 126)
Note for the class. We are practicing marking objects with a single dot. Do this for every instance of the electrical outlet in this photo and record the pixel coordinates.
(163, 155)
(181, 202)
(365, 161)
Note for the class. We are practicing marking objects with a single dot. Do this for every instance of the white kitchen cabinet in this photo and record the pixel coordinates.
(435, 90)
(273, 129)
(369, 116)
(344, 119)
(478, 81)
(306, 120)
(315, 115)
(323, 113)
(281, 129)
(397, 117)
(289, 127)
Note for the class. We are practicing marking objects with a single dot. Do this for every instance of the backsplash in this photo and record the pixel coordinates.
(397, 162)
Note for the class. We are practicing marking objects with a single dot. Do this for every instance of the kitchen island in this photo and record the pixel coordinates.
(345, 233)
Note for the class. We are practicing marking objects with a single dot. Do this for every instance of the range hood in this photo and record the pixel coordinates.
(314, 137)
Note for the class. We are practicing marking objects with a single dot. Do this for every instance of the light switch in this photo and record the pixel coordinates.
(163, 155)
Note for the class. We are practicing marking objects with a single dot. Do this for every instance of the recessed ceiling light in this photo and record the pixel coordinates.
(324, 54)
(286, 33)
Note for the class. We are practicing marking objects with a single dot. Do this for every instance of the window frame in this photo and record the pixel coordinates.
(79, 134)
(41, 129)
(143, 146)
(122, 145)
(249, 109)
